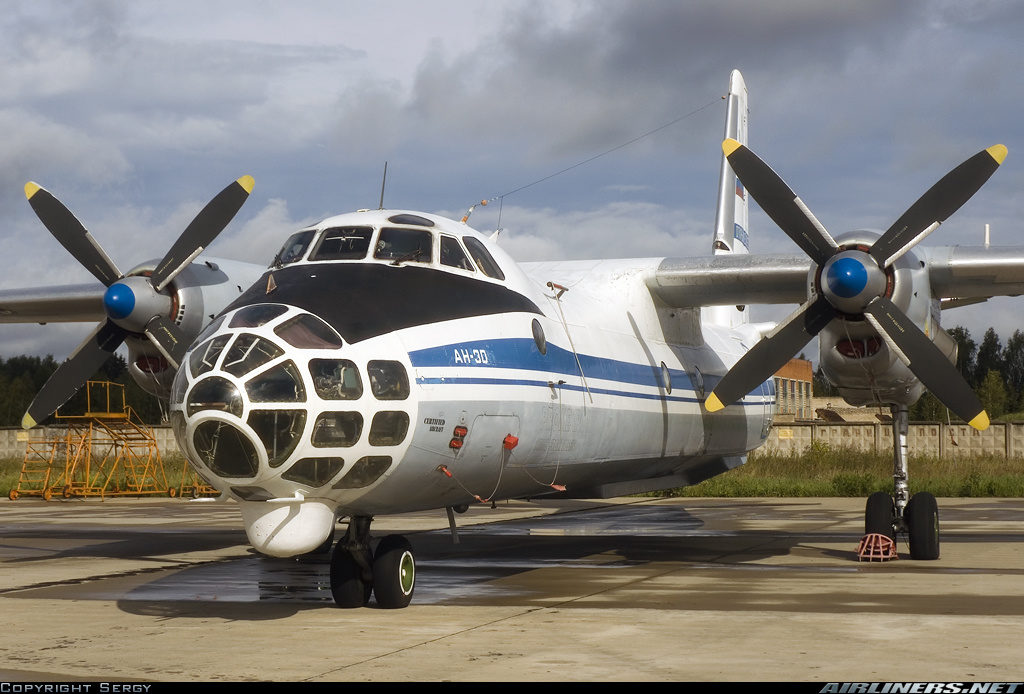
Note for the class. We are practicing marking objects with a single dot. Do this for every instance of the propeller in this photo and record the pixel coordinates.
(854, 282)
(135, 304)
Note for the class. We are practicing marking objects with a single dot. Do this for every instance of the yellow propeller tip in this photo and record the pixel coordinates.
(713, 404)
(247, 182)
(27, 422)
(997, 152)
(31, 189)
(730, 145)
(980, 422)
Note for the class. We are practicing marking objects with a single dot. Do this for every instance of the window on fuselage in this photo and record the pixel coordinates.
(294, 248)
(483, 259)
(337, 429)
(388, 428)
(336, 379)
(343, 243)
(388, 379)
(453, 255)
(404, 245)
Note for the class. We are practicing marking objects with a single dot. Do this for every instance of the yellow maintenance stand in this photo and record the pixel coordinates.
(104, 452)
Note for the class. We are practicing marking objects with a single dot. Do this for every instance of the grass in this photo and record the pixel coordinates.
(827, 471)
(174, 469)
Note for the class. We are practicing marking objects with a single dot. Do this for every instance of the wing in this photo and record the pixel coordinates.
(59, 304)
(967, 274)
(723, 280)
(958, 275)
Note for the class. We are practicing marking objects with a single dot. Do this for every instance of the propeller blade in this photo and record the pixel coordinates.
(73, 373)
(927, 361)
(66, 228)
(935, 206)
(210, 221)
(779, 202)
(768, 355)
(167, 337)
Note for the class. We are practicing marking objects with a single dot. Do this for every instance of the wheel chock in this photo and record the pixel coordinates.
(876, 547)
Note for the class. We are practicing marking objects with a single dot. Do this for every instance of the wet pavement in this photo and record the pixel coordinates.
(623, 589)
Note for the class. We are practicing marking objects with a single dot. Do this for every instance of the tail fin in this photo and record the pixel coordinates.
(731, 217)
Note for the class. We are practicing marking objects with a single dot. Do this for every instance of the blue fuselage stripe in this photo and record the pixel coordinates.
(522, 354)
(549, 384)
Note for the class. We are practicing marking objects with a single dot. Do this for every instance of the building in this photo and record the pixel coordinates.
(793, 397)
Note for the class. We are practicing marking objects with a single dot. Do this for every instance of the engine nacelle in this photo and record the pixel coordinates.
(852, 354)
(198, 293)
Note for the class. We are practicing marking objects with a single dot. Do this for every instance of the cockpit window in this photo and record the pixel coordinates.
(343, 243)
(210, 329)
(256, 315)
(388, 379)
(308, 332)
(248, 352)
(204, 357)
(294, 248)
(336, 379)
(281, 383)
(410, 220)
(453, 255)
(404, 246)
(279, 430)
(483, 258)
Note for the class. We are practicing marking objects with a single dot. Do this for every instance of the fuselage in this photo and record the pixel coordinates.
(393, 361)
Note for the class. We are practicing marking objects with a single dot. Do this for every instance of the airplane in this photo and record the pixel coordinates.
(392, 360)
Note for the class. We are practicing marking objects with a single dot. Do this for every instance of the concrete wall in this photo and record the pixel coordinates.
(13, 440)
(942, 440)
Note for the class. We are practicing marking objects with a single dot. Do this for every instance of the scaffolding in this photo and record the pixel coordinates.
(107, 451)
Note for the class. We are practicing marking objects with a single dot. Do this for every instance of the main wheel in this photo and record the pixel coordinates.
(347, 584)
(394, 572)
(923, 524)
(879, 515)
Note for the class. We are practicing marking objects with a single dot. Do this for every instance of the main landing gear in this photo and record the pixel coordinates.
(917, 515)
(389, 573)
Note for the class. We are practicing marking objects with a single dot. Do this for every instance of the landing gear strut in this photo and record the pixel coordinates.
(917, 515)
(389, 573)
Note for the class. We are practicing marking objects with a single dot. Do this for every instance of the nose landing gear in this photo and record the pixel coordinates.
(917, 515)
(389, 573)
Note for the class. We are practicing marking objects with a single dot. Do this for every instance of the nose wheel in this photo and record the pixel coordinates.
(389, 573)
(917, 515)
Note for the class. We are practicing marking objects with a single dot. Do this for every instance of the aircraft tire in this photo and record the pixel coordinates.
(347, 585)
(879, 514)
(923, 524)
(394, 572)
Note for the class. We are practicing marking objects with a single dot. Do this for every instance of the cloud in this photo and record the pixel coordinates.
(135, 114)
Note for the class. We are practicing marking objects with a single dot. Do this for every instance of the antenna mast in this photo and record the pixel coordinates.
(382, 184)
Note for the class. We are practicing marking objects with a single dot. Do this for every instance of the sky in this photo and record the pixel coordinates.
(136, 113)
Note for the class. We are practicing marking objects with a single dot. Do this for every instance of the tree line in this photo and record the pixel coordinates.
(995, 372)
(23, 376)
